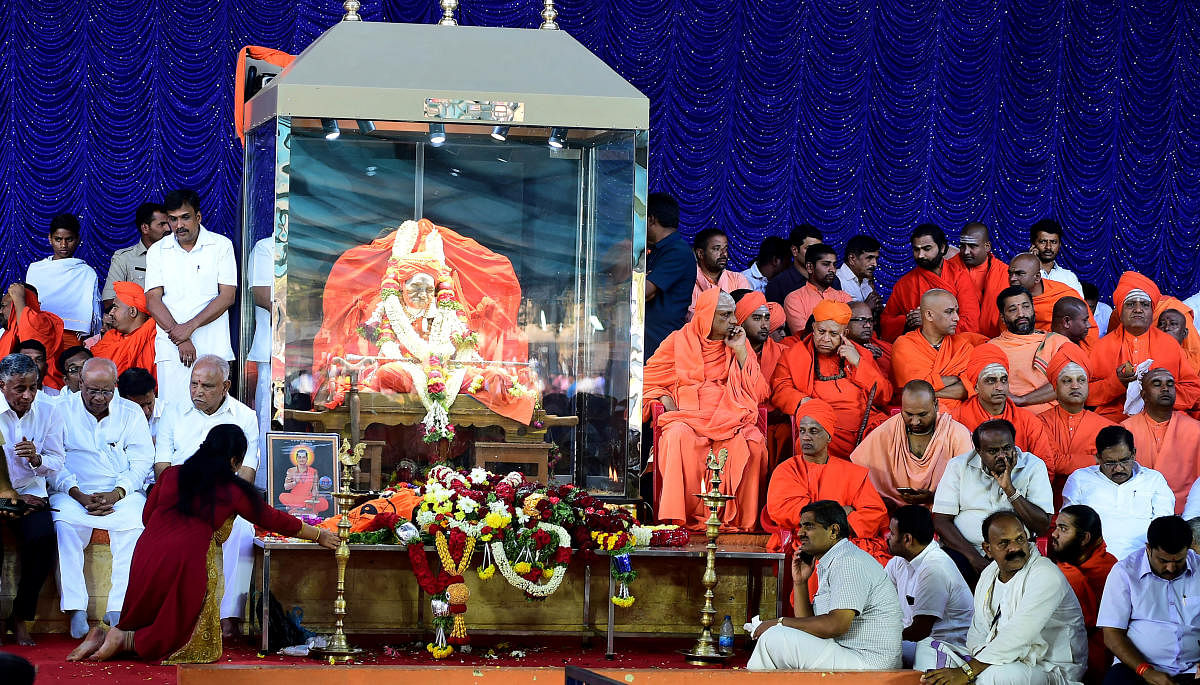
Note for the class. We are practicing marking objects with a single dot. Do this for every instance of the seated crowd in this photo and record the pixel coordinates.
(974, 478)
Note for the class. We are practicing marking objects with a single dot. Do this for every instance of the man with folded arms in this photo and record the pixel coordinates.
(936, 353)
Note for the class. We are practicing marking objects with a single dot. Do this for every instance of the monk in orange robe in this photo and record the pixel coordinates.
(1135, 339)
(908, 453)
(1070, 427)
(753, 315)
(987, 272)
(1176, 320)
(778, 322)
(1073, 320)
(988, 374)
(25, 320)
(130, 341)
(834, 369)
(1025, 270)
(902, 312)
(1029, 351)
(861, 330)
(708, 380)
(1077, 546)
(935, 353)
(1165, 439)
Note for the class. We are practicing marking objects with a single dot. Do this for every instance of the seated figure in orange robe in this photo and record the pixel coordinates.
(829, 367)
(301, 486)
(1176, 320)
(754, 316)
(933, 271)
(1165, 439)
(861, 330)
(23, 319)
(1077, 546)
(1135, 339)
(936, 353)
(1070, 427)
(708, 380)
(778, 323)
(130, 341)
(1025, 270)
(1029, 351)
(987, 272)
(907, 453)
(1072, 319)
(428, 311)
(988, 374)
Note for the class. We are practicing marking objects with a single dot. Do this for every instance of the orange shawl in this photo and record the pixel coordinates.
(45, 327)
(906, 296)
(1043, 308)
(1030, 436)
(892, 465)
(1176, 456)
(989, 278)
(1191, 342)
(1087, 581)
(129, 351)
(914, 358)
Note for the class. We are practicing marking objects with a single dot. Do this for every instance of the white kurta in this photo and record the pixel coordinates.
(68, 288)
(41, 426)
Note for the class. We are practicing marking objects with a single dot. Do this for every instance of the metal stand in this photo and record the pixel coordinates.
(705, 650)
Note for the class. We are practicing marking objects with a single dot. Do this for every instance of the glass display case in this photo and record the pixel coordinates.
(448, 223)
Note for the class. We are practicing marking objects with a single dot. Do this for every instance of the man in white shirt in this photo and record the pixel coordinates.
(1101, 311)
(138, 386)
(857, 272)
(935, 599)
(1126, 495)
(33, 451)
(181, 431)
(108, 455)
(992, 477)
(67, 285)
(262, 285)
(191, 282)
(1027, 628)
(129, 263)
(774, 255)
(1045, 242)
(1149, 609)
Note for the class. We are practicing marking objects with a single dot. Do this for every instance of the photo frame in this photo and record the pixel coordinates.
(303, 472)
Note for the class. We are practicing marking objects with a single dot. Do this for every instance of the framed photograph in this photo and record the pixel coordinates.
(303, 472)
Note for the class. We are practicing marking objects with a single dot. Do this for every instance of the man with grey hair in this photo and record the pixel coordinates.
(33, 450)
(108, 456)
(180, 431)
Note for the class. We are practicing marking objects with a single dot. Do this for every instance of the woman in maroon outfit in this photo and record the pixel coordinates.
(169, 578)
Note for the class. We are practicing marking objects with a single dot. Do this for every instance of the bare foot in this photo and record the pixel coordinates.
(91, 643)
(231, 629)
(114, 644)
(21, 631)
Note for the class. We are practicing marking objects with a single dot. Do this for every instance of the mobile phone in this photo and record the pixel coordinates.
(908, 491)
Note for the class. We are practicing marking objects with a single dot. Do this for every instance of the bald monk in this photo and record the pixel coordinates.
(1175, 319)
(1025, 270)
(753, 315)
(902, 313)
(988, 373)
(1029, 351)
(1072, 319)
(830, 367)
(861, 330)
(907, 453)
(810, 475)
(710, 386)
(935, 353)
(1135, 339)
(1070, 426)
(130, 341)
(22, 318)
(986, 270)
(1165, 439)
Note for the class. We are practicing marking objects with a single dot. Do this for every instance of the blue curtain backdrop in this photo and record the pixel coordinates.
(852, 115)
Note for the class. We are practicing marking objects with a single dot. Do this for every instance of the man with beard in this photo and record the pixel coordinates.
(800, 239)
(1023, 271)
(861, 330)
(1148, 611)
(936, 353)
(753, 315)
(1045, 242)
(856, 275)
(908, 453)
(711, 247)
(853, 622)
(1029, 351)
(1027, 628)
(902, 313)
(1077, 546)
(1167, 440)
(820, 261)
(994, 476)
(989, 274)
(1070, 427)
(1072, 319)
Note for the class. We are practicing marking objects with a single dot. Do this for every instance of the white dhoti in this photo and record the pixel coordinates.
(784, 648)
(935, 654)
(238, 562)
(74, 526)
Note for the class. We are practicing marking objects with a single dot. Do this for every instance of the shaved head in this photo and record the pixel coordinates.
(974, 244)
(1070, 306)
(1071, 318)
(918, 407)
(1025, 270)
(939, 313)
(862, 323)
(936, 297)
(919, 390)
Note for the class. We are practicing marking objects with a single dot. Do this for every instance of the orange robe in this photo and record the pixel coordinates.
(1030, 434)
(779, 433)
(795, 379)
(128, 351)
(883, 361)
(989, 278)
(1116, 348)
(718, 409)
(728, 281)
(1073, 438)
(1191, 340)
(1028, 358)
(1043, 309)
(1172, 448)
(906, 296)
(34, 324)
(892, 465)
(799, 304)
(914, 358)
(1087, 581)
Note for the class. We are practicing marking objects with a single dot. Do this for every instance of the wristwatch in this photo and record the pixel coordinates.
(966, 668)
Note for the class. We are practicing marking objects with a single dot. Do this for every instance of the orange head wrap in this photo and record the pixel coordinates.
(819, 411)
(1067, 354)
(778, 316)
(828, 310)
(131, 294)
(1130, 281)
(748, 305)
(982, 357)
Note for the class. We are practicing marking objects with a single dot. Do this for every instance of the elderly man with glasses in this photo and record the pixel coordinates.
(108, 456)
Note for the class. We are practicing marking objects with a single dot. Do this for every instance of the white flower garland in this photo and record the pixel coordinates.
(531, 588)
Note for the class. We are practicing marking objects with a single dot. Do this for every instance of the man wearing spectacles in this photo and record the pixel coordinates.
(1167, 440)
(108, 455)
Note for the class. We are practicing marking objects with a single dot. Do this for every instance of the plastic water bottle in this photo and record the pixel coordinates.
(726, 640)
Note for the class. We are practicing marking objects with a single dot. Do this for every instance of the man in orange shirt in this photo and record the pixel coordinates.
(902, 312)
(709, 383)
(861, 330)
(1165, 439)
(130, 341)
(1077, 546)
(821, 263)
(712, 255)
(1070, 426)
(1029, 351)
(987, 271)
(935, 353)
(1025, 270)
